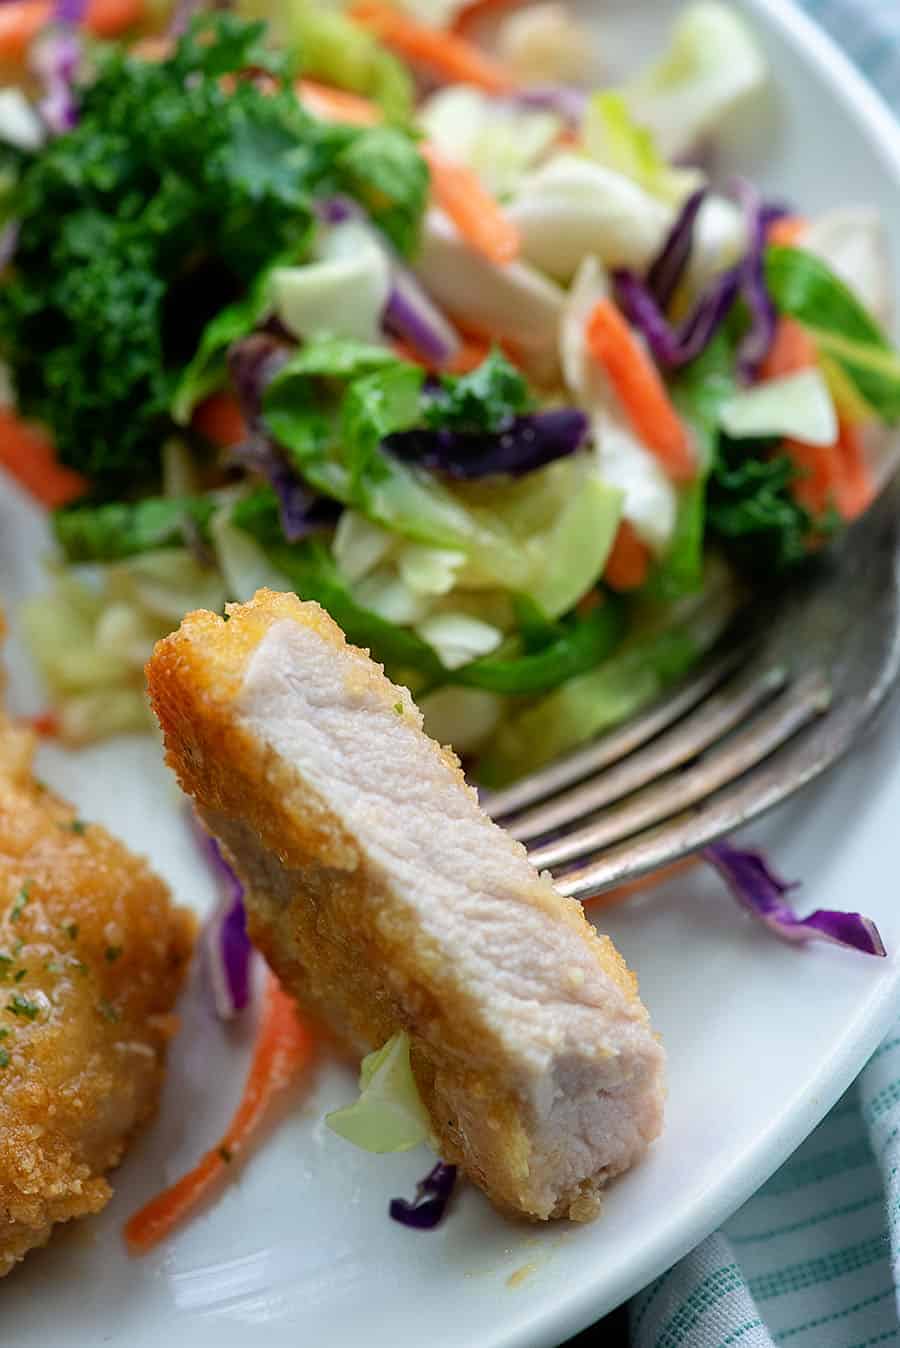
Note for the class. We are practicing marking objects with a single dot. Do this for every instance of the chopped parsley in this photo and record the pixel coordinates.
(398, 708)
(19, 975)
(19, 902)
(4, 1058)
(20, 1005)
(78, 826)
(6, 963)
(112, 953)
(225, 1155)
(4, 1032)
(108, 1011)
(71, 930)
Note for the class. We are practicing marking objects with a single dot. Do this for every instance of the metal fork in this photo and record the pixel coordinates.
(789, 690)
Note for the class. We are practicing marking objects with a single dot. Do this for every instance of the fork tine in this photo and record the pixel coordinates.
(801, 703)
(608, 749)
(710, 721)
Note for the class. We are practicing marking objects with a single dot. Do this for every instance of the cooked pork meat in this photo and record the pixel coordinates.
(385, 898)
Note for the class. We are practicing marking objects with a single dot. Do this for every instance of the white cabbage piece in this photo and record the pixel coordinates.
(572, 207)
(713, 62)
(344, 293)
(513, 302)
(797, 405)
(499, 141)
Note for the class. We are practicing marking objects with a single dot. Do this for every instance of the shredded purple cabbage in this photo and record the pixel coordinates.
(673, 345)
(567, 101)
(430, 1203)
(412, 314)
(70, 11)
(755, 343)
(56, 59)
(9, 238)
(667, 270)
(253, 363)
(524, 444)
(644, 301)
(225, 941)
(755, 885)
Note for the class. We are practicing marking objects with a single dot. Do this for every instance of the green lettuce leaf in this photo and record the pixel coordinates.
(804, 287)
(109, 532)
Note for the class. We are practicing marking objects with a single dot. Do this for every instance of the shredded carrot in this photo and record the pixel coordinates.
(640, 390)
(336, 105)
(854, 489)
(219, 419)
(477, 10)
(284, 1047)
(471, 353)
(21, 21)
(792, 350)
(481, 222)
(451, 58)
(27, 453)
(817, 469)
(629, 560)
(787, 230)
(611, 897)
(45, 724)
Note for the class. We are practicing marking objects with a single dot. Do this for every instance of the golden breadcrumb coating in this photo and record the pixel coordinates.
(352, 953)
(92, 957)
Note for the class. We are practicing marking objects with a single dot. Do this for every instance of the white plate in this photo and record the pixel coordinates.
(762, 1038)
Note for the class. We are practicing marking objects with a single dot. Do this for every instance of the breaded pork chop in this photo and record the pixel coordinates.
(384, 898)
(92, 956)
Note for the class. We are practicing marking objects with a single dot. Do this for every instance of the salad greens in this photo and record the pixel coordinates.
(165, 203)
(236, 316)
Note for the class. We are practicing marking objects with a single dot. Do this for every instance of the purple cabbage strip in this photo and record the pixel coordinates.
(227, 946)
(569, 102)
(56, 59)
(673, 346)
(526, 443)
(410, 311)
(667, 270)
(253, 363)
(756, 886)
(756, 341)
(9, 238)
(70, 11)
(430, 1203)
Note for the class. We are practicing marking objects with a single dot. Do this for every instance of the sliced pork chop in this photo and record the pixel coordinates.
(385, 899)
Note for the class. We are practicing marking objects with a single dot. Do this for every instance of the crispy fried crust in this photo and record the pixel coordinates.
(352, 957)
(92, 956)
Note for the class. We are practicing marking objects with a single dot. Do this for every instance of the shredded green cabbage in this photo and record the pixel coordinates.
(389, 1114)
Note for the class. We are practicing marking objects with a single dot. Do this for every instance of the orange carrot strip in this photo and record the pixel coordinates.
(471, 353)
(817, 467)
(792, 350)
(481, 222)
(477, 10)
(854, 488)
(219, 418)
(640, 390)
(336, 105)
(45, 724)
(284, 1047)
(787, 231)
(27, 453)
(628, 561)
(621, 892)
(450, 57)
(21, 22)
